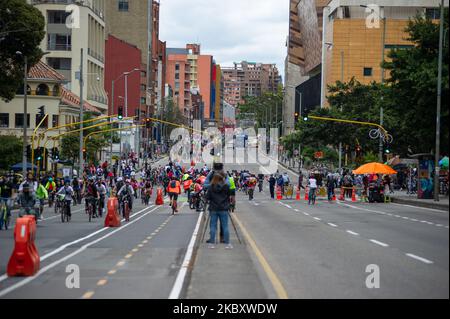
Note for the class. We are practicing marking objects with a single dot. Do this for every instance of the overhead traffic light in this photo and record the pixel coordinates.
(120, 117)
(38, 154)
(296, 116)
(148, 123)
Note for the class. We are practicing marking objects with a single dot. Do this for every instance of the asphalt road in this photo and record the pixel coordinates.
(289, 250)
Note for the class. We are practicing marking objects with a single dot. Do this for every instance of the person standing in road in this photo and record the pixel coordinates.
(300, 180)
(312, 183)
(218, 195)
(272, 182)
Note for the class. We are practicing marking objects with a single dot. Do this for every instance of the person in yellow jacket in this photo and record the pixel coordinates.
(41, 196)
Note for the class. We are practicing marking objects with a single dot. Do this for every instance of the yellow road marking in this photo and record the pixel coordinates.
(145, 241)
(135, 250)
(121, 263)
(129, 256)
(102, 282)
(88, 295)
(140, 245)
(112, 272)
(276, 283)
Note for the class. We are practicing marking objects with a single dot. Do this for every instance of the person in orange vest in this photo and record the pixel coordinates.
(174, 189)
(187, 186)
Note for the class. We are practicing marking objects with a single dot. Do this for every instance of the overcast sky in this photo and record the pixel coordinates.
(230, 30)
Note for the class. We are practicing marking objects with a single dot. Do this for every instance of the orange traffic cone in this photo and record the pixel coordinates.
(354, 195)
(297, 197)
(307, 193)
(334, 198)
(279, 196)
(159, 197)
(112, 217)
(341, 196)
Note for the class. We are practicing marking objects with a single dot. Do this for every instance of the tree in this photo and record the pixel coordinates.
(11, 149)
(22, 29)
(413, 87)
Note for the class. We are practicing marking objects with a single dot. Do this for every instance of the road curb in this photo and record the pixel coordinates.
(443, 207)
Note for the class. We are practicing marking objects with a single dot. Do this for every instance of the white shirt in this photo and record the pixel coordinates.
(312, 183)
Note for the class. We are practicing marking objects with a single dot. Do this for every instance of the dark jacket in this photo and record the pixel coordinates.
(218, 197)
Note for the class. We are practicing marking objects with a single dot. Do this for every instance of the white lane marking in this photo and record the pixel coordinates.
(57, 262)
(397, 216)
(379, 243)
(288, 206)
(61, 248)
(296, 210)
(176, 290)
(424, 208)
(439, 225)
(306, 214)
(405, 217)
(414, 220)
(352, 233)
(317, 218)
(332, 225)
(420, 258)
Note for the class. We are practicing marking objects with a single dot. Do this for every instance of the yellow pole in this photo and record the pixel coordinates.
(111, 130)
(349, 121)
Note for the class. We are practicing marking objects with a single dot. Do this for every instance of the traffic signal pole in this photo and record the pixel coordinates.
(32, 140)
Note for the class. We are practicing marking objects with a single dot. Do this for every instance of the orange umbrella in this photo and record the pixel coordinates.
(374, 168)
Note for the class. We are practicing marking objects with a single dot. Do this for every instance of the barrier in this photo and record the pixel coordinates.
(307, 193)
(279, 196)
(297, 197)
(25, 260)
(112, 217)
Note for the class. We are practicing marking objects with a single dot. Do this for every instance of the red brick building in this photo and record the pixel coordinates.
(123, 57)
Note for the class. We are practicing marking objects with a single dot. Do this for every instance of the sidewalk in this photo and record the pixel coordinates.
(400, 197)
(221, 273)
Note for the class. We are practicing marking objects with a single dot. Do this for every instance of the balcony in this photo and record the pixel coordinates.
(59, 47)
(96, 55)
(85, 3)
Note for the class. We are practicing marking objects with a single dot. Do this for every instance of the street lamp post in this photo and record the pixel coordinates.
(438, 105)
(25, 114)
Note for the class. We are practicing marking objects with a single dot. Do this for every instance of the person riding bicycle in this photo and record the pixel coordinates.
(232, 190)
(6, 187)
(101, 189)
(41, 195)
(187, 182)
(147, 188)
(126, 192)
(312, 184)
(68, 192)
(76, 185)
(174, 189)
(31, 183)
(51, 190)
(91, 195)
(26, 200)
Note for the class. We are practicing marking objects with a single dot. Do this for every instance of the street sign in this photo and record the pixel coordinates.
(318, 155)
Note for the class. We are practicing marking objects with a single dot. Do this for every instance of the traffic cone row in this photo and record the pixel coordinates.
(112, 217)
(341, 196)
(159, 197)
(297, 197)
(307, 194)
(354, 195)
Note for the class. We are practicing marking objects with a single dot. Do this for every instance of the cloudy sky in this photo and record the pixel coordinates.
(230, 30)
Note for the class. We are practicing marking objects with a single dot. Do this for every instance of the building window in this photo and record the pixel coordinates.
(57, 17)
(59, 42)
(4, 120)
(60, 63)
(143, 87)
(55, 120)
(19, 120)
(177, 76)
(123, 5)
(42, 89)
(39, 119)
(177, 85)
(432, 13)
(367, 71)
(177, 67)
(143, 100)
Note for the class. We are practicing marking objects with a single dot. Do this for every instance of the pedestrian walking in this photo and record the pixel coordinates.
(272, 182)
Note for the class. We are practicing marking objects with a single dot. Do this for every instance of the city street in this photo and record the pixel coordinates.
(289, 250)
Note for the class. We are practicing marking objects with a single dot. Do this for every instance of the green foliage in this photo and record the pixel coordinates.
(21, 29)
(11, 149)
(413, 88)
(370, 157)
(264, 107)
(172, 114)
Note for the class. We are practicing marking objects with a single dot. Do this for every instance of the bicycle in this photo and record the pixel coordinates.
(312, 196)
(126, 208)
(4, 216)
(173, 205)
(65, 217)
(101, 205)
(59, 203)
(232, 204)
(90, 206)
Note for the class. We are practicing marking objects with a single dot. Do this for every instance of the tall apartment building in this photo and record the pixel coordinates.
(130, 21)
(355, 47)
(249, 79)
(187, 69)
(64, 41)
(303, 59)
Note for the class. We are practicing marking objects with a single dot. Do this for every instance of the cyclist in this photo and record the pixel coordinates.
(31, 183)
(232, 191)
(27, 200)
(187, 182)
(51, 190)
(148, 189)
(251, 185)
(68, 192)
(174, 189)
(76, 185)
(119, 184)
(41, 195)
(126, 191)
(312, 183)
(91, 195)
(6, 187)
(101, 189)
